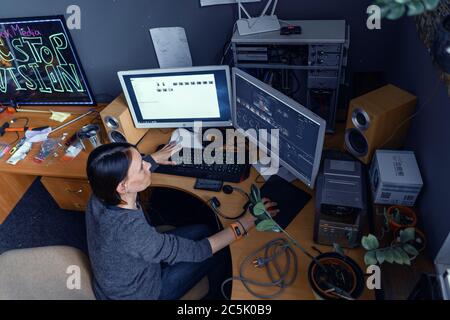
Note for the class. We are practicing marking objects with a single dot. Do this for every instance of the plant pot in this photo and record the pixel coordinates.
(405, 211)
(344, 273)
(420, 245)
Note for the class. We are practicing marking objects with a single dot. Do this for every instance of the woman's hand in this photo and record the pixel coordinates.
(162, 156)
(249, 220)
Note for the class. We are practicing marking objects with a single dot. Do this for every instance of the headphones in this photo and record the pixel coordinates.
(227, 189)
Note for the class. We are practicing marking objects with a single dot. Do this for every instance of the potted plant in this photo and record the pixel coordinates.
(400, 252)
(332, 275)
(417, 238)
(395, 9)
(400, 217)
(341, 279)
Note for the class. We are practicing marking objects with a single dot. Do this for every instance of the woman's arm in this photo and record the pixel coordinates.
(225, 237)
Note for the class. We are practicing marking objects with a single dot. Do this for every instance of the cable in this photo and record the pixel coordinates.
(279, 277)
(433, 94)
(227, 45)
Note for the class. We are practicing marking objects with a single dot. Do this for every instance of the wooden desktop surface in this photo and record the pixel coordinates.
(52, 167)
(301, 228)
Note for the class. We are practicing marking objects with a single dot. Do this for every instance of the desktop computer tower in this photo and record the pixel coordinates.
(378, 119)
(118, 122)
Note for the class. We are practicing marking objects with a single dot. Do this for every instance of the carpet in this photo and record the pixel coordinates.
(37, 221)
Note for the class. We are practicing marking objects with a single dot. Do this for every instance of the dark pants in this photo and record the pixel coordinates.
(179, 278)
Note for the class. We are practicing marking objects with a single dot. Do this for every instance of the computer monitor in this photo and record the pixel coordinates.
(176, 98)
(301, 132)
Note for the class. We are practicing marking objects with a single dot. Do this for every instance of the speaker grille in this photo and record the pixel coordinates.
(360, 119)
(111, 122)
(356, 142)
(116, 136)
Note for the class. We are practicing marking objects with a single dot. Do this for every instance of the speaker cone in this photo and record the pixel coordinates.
(360, 119)
(356, 142)
(116, 136)
(111, 122)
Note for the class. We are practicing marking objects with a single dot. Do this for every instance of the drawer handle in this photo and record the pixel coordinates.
(75, 191)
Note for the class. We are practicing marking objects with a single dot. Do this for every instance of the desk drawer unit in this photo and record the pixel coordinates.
(69, 194)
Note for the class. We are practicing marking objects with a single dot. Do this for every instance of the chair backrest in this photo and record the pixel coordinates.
(45, 273)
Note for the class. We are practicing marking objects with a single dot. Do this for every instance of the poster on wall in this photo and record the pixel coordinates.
(39, 64)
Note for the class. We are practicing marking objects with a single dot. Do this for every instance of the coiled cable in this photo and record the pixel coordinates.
(278, 276)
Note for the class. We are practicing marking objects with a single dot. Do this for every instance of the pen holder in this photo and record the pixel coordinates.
(89, 137)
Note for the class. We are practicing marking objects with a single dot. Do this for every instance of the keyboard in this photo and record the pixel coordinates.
(198, 167)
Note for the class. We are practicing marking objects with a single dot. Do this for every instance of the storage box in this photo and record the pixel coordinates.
(395, 178)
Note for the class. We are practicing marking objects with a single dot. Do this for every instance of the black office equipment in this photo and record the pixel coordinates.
(341, 202)
(39, 64)
(290, 30)
(291, 200)
(209, 185)
(198, 168)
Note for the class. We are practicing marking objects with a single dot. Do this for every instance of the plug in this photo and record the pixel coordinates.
(259, 262)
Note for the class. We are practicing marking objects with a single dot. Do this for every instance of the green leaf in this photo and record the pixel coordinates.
(389, 255)
(407, 235)
(267, 225)
(431, 4)
(396, 11)
(415, 8)
(370, 242)
(402, 1)
(410, 250)
(259, 209)
(405, 258)
(381, 257)
(370, 258)
(398, 257)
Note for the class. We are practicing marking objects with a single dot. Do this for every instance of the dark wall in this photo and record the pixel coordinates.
(369, 49)
(115, 34)
(411, 68)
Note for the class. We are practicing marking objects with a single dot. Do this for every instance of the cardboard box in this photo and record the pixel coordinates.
(395, 178)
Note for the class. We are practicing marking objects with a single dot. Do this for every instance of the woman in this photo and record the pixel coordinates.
(130, 259)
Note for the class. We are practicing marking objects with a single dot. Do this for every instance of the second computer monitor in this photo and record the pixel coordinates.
(301, 132)
(173, 98)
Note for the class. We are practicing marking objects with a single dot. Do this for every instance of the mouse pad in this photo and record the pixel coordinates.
(290, 199)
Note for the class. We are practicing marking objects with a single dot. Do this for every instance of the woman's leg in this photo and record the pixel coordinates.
(179, 278)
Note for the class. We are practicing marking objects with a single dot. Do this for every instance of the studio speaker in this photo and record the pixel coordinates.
(378, 119)
(118, 122)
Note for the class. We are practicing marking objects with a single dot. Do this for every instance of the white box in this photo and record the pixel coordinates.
(395, 178)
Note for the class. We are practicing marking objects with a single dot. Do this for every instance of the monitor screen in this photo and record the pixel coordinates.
(301, 132)
(173, 98)
(39, 64)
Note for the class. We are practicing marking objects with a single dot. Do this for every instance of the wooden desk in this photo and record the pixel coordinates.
(301, 228)
(15, 180)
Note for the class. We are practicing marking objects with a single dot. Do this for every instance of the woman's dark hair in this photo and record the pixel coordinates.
(107, 166)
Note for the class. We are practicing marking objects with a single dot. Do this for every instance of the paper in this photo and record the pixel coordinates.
(59, 116)
(37, 136)
(217, 2)
(171, 46)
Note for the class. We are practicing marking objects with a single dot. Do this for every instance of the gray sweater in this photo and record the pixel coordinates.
(126, 252)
